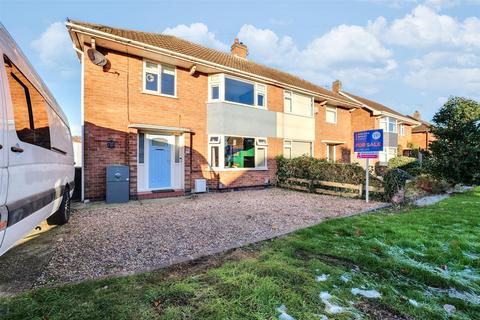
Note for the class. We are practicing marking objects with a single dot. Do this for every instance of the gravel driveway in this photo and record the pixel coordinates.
(103, 240)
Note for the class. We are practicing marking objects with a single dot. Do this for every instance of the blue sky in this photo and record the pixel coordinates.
(406, 54)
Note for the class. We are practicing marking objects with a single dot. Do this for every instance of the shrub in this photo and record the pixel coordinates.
(394, 181)
(316, 169)
(431, 184)
(408, 164)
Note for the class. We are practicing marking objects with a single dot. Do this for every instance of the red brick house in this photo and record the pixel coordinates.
(397, 127)
(176, 112)
(422, 134)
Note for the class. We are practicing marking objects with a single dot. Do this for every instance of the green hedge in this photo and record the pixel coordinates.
(316, 169)
(408, 164)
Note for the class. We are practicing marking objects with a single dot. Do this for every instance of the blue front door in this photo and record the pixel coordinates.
(159, 163)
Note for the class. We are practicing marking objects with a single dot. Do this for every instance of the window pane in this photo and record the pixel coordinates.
(288, 104)
(287, 153)
(20, 102)
(261, 157)
(141, 147)
(214, 156)
(260, 100)
(331, 116)
(238, 91)
(331, 153)
(151, 81)
(301, 148)
(215, 92)
(177, 149)
(30, 108)
(168, 81)
(239, 152)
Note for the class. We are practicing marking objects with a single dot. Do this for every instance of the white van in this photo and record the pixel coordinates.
(36, 153)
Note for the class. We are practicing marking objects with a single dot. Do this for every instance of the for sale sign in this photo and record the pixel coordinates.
(368, 141)
(367, 155)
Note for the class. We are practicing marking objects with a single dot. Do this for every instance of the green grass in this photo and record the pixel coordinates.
(400, 253)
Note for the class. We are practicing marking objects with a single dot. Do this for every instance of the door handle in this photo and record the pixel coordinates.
(16, 149)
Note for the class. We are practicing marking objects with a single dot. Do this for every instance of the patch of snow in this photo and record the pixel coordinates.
(413, 302)
(472, 256)
(426, 201)
(465, 296)
(323, 277)
(345, 277)
(374, 294)
(449, 308)
(330, 308)
(283, 313)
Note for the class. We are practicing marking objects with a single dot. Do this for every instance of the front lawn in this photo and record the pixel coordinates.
(417, 259)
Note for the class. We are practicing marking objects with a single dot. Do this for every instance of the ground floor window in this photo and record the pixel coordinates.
(387, 154)
(234, 152)
(295, 148)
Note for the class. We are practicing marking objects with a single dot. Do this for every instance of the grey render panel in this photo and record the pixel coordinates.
(226, 118)
(390, 139)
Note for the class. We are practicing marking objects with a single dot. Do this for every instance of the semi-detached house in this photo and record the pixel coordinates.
(176, 112)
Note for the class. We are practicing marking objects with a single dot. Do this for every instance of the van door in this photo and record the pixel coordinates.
(3, 161)
(33, 186)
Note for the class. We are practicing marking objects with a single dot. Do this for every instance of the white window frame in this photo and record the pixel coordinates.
(261, 143)
(402, 129)
(158, 72)
(334, 111)
(383, 156)
(288, 144)
(219, 80)
(288, 94)
(385, 124)
(334, 152)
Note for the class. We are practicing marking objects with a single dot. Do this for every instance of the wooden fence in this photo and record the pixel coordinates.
(328, 187)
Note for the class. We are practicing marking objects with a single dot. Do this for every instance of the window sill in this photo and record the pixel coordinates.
(236, 169)
(153, 93)
(330, 122)
(298, 115)
(238, 104)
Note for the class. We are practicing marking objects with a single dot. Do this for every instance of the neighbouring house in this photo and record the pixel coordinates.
(422, 134)
(397, 127)
(179, 114)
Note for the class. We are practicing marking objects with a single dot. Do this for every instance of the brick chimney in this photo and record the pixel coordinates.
(239, 49)
(417, 115)
(336, 86)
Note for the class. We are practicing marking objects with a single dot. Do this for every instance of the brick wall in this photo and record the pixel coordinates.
(340, 131)
(114, 99)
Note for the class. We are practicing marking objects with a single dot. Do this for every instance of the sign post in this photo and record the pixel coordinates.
(367, 144)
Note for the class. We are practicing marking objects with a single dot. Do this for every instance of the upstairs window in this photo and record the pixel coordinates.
(159, 79)
(297, 103)
(230, 89)
(388, 124)
(239, 91)
(287, 102)
(29, 108)
(331, 114)
(402, 129)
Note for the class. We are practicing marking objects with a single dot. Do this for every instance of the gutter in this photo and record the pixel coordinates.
(378, 113)
(82, 115)
(140, 45)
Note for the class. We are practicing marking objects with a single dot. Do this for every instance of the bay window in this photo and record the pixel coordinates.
(230, 89)
(159, 79)
(387, 154)
(388, 124)
(238, 152)
(296, 103)
(294, 149)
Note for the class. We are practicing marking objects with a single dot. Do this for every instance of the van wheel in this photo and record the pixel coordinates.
(63, 213)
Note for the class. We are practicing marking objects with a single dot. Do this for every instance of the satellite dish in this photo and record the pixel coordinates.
(96, 57)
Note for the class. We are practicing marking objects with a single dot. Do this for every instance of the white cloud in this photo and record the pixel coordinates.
(198, 33)
(446, 72)
(425, 27)
(54, 49)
